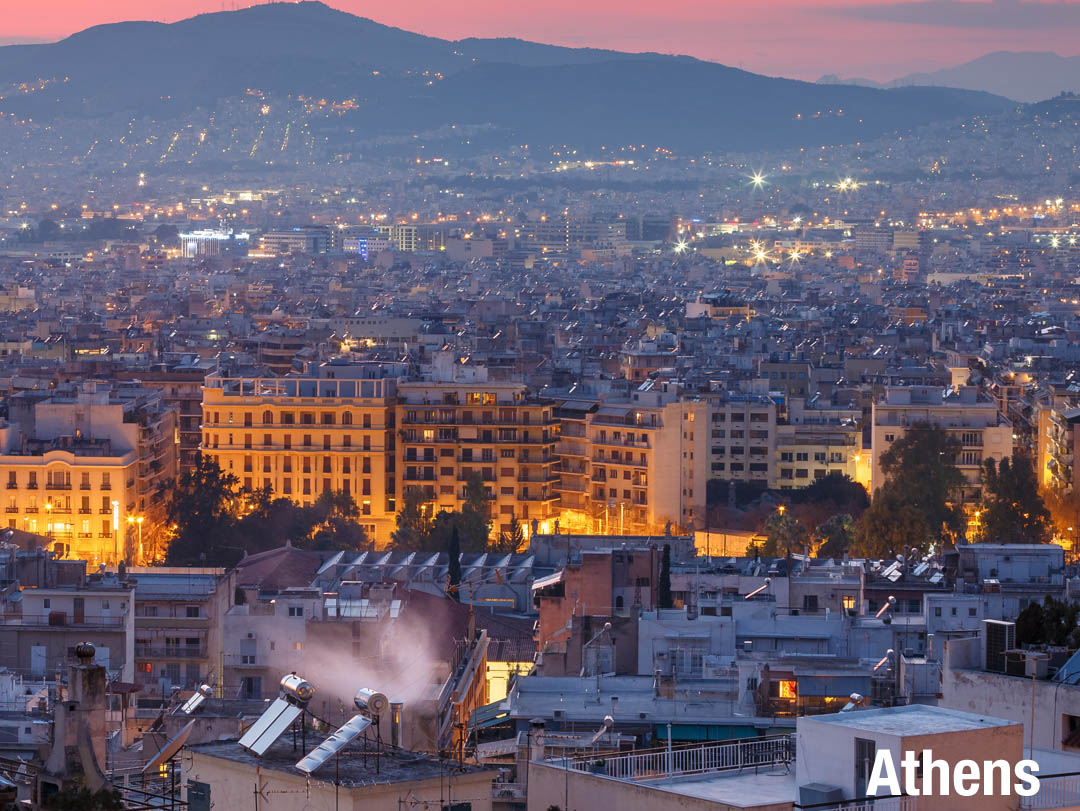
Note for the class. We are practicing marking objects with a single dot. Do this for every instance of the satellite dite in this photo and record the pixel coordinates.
(371, 704)
(294, 698)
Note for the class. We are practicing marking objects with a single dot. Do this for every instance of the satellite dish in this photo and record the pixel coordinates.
(168, 752)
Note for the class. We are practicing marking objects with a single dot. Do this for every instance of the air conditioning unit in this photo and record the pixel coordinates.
(998, 637)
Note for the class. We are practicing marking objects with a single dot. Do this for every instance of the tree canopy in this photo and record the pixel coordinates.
(215, 524)
(1012, 510)
(915, 506)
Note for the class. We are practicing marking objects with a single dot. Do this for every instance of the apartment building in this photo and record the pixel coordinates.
(969, 417)
(300, 436)
(42, 626)
(179, 379)
(453, 430)
(742, 437)
(179, 616)
(79, 461)
(635, 464)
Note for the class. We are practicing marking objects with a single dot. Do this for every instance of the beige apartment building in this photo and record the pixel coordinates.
(972, 419)
(453, 430)
(632, 465)
(301, 436)
(84, 464)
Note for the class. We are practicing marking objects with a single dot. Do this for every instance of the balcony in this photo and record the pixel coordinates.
(58, 486)
(170, 651)
(61, 620)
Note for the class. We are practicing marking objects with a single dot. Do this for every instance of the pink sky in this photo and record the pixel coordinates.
(878, 39)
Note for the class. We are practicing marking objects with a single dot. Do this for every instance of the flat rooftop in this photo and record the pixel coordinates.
(770, 786)
(355, 768)
(912, 719)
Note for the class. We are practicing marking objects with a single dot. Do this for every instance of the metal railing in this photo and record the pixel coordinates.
(678, 762)
(864, 804)
(1055, 791)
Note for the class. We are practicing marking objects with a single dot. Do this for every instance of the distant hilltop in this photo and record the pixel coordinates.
(1026, 76)
(382, 82)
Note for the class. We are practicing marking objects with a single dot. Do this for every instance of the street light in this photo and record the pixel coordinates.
(116, 530)
(138, 522)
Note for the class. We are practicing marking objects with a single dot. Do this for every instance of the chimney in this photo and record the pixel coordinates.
(536, 740)
(77, 756)
(395, 723)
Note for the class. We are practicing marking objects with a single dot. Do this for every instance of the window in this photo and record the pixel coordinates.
(296, 611)
(192, 612)
(810, 602)
(865, 754)
(848, 601)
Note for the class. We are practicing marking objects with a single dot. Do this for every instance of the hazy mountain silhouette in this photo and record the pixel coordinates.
(404, 82)
(1026, 76)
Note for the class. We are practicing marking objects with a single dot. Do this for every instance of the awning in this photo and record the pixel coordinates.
(833, 686)
(549, 580)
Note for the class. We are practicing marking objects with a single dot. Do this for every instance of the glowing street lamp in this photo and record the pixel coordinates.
(757, 180)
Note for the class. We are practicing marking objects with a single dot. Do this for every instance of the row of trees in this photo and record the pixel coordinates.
(917, 505)
(420, 530)
(214, 523)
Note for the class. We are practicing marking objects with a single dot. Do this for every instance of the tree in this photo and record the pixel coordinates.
(413, 529)
(837, 489)
(836, 535)
(664, 589)
(476, 514)
(914, 507)
(202, 511)
(1012, 510)
(453, 552)
(784, 533)
(334, 519)
(1052, 623)
(890, 526)
(48, 230)
(512, 541)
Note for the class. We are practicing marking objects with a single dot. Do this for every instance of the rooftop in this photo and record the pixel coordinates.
(355, 768)
(912, 719)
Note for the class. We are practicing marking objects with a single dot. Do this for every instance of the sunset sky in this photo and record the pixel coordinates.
(879, 40)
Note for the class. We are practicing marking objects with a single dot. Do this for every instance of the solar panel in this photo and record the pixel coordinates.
(341, 738)
(197, 700)
(170, 749)
(895, 575)
(270, 726)
(937, 577)
(921, 569)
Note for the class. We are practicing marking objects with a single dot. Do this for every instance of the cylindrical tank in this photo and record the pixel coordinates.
(298, 688)
(206, 690)
(396, 709)
(371, 701)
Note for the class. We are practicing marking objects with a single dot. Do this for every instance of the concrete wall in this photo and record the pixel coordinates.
(232, 786)
(573, 791)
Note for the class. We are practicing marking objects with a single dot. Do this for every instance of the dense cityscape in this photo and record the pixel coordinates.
(409, 463)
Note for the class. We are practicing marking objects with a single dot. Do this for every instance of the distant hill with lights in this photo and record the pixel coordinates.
(328, 79)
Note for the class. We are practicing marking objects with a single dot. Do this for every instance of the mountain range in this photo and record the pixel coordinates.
(395, 83)
(1025, 76)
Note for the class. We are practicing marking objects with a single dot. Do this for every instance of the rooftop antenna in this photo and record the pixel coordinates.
(759, 589)
(884, 660)
(290, 705)
(886, 609)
